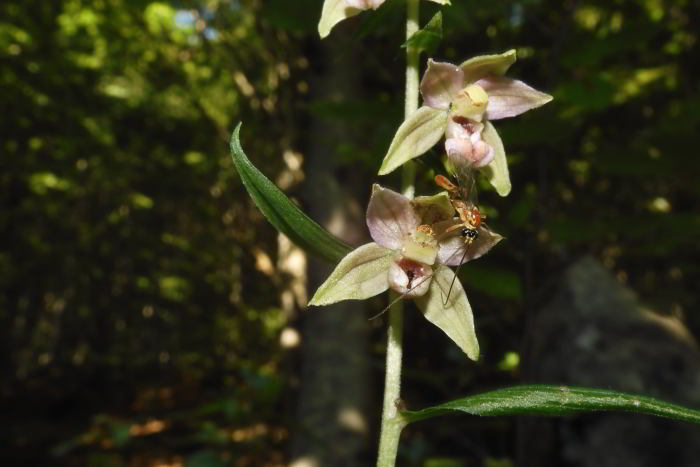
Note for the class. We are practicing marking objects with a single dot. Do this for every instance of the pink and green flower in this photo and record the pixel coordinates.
(459, 102)
(411, 254)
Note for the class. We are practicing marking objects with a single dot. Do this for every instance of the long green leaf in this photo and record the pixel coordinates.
(282, 213)
(427, 38)
(556, 401)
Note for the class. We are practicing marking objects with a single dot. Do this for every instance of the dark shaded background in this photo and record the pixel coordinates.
(150, 316)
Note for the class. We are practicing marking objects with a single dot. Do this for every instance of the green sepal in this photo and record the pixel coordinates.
(418, 133)
(497, 170)
(446, 306)
(362, 273)
(484, 65)
(435, 208)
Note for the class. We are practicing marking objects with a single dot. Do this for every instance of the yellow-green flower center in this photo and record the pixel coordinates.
(421, 245)
(470, 103)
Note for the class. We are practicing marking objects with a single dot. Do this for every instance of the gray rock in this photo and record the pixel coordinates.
(595, 333)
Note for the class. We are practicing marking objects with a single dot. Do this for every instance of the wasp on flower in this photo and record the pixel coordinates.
(414, 243)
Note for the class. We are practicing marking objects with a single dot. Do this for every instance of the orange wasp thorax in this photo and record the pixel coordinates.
(468, 213)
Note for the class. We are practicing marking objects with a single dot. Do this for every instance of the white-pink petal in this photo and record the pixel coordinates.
(390, 217)
(510, 97)
(364, 4)
(453, 250)
(440, 84)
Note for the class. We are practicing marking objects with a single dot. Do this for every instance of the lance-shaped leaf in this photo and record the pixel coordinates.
(497, 170)
(555, 401)
(418, 133)
(334, 11)
(427, 38)
(282, 213)
(363, 273)
(455, 317)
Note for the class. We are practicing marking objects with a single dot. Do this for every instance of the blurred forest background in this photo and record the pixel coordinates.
(150, 316)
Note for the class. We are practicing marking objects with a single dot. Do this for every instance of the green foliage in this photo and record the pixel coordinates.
(282, 213)
(427, 39)
(501, 283)
(128, 278)
(555, 401)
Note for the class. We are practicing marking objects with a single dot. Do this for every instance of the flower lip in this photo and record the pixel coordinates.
(410, 278)
(462, 152)
(462, 127)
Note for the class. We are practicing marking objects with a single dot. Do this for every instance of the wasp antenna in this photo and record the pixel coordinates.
(444, 304)
(379, 314)
(387, 307)
(400, 297)
(444, 301)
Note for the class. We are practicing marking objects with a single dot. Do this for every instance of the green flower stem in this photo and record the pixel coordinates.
(412, 90)
(412, 84)
(392, 421)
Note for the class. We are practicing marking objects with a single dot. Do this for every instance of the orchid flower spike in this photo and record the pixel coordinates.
(411, 254)
(334, 11)
(459, 102)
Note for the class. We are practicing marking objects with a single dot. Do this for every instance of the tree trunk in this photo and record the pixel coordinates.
(332, 413)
